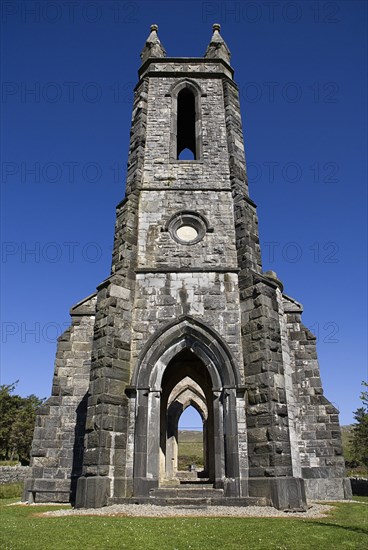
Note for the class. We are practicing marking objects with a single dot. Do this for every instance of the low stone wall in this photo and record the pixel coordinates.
(13, 474)
(359, 486)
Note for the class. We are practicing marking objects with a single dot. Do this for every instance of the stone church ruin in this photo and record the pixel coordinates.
(187, 317)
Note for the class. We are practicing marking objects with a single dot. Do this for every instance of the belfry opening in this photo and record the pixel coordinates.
(186, 124)
(187, 318)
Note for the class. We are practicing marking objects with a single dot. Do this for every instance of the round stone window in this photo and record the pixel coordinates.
(187, 233)
(187, 227)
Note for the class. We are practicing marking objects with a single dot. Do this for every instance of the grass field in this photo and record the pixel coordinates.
(23, 529)
(11, 490)
(190, 449)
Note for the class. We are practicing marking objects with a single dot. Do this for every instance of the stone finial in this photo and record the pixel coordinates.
(217, 47)
(153, 46)
(272, 276)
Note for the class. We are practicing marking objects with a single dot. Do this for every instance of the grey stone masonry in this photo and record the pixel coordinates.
(187, 317)
(13, 474)
(318, 430)
(58, 442)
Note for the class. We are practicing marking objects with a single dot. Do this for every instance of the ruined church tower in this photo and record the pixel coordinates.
(187, 317)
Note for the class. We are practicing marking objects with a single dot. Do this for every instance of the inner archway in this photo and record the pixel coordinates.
(186, 384)
(190, 441)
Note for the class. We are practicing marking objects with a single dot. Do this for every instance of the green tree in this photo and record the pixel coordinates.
(8, 410)
(359, 441)
(21, 434)
(17, 420)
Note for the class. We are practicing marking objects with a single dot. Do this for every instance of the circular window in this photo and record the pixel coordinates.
(187, 233)
(187, 227)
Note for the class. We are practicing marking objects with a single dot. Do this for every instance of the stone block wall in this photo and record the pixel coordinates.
(211, 171)
(210, 297)
(57, 449)
(157, 249)
(105, 466)
(318, 429)
(246, 220)
(125, 238)
(266, 407)
(107, 413)
(13, 474)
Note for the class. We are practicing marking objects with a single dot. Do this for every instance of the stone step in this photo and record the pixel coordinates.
(186, 482)
(186, 475)
(195, 482)
(201, 491)
(194, 502)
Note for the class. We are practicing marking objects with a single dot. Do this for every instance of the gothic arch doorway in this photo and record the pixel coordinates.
(185, 395)
(186, 361)
(186, 382)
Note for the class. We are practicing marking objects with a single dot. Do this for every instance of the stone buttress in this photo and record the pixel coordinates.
(187, 317)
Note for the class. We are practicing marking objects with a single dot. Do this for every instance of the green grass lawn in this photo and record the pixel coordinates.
(22, 528)
(11, 490)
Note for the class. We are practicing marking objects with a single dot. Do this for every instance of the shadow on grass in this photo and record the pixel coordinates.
(345, 527)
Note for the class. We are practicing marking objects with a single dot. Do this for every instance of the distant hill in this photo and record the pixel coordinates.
(192, 436)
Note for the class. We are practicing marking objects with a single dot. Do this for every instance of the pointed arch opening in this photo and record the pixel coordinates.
(190, 419)
(186, 333)
(186, 383)
(186, 131)
(186, 154)
(186, 363)
(186, 127)
(190, 441)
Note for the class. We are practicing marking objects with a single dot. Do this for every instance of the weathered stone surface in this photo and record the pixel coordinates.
(187, 317)
(58, 443)
(13, 474)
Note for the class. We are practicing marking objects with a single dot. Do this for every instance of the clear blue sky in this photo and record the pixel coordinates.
(301, 68)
